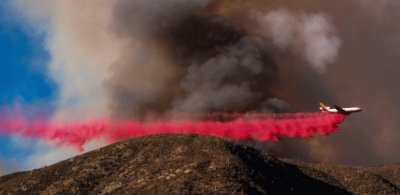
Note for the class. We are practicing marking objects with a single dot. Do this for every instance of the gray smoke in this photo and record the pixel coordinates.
(224, 82)
(183, 61)
(309, 35)
(127, 59)
(147, 18)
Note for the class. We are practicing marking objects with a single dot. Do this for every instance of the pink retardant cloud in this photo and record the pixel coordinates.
(256, 127)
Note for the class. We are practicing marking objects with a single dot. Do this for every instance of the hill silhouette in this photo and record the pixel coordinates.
(186, 164)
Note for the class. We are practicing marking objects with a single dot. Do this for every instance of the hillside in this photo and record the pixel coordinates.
(195, 164)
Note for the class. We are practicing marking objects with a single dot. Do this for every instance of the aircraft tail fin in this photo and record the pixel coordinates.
(323, 107)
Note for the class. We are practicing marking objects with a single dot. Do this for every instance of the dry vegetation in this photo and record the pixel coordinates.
(184, 164)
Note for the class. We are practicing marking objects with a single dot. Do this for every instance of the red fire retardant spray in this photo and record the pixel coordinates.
(241, 127)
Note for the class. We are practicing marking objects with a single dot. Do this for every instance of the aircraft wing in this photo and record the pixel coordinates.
(339, 109)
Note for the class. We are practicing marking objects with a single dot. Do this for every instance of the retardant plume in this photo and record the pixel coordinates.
(259, 127)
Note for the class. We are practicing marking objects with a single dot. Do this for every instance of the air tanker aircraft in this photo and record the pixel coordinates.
(337, 109)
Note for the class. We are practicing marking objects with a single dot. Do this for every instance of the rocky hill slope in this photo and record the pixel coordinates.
(184, 164)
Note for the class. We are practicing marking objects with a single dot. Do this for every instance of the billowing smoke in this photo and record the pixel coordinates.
(128, 59)
(82, 50)
(184, 61)
(310, 35)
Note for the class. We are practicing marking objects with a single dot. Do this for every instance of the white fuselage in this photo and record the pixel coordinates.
(350, 109)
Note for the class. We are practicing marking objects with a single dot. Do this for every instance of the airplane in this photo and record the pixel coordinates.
(337, 109)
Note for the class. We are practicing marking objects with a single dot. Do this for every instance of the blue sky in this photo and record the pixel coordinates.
(23, 68)
(23, 78)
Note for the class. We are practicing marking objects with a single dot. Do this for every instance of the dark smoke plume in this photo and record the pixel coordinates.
(205, 63)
